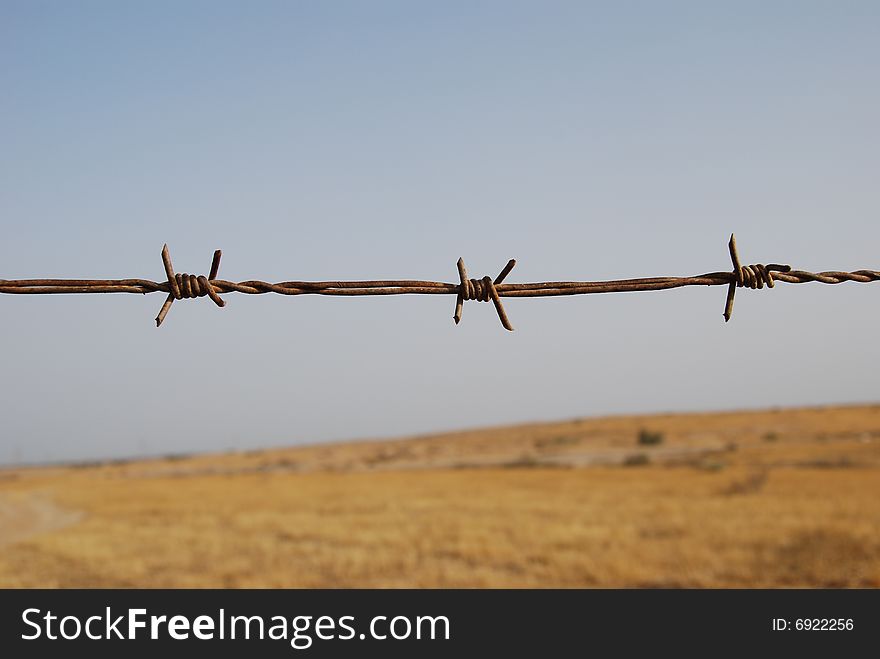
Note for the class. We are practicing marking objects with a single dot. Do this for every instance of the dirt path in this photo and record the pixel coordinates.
(26, 514)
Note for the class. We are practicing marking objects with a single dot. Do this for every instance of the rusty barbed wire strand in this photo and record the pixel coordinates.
(183, 286)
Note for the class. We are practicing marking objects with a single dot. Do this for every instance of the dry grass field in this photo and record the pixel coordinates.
(773, 498)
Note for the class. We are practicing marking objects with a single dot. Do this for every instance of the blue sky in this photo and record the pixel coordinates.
(385, 139)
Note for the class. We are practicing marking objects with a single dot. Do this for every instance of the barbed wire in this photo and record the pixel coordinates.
(184, 286)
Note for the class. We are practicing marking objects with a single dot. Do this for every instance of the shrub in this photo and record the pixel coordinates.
(754, 482)
(636, 460)
(649, 438)
(561, 440)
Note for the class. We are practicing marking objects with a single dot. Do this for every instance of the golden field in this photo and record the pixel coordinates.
(773, 498)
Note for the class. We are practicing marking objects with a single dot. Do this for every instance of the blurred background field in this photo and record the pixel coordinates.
(773, 498)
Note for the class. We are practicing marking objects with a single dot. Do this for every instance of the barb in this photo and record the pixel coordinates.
(482, 290)
(753, 276)
(188, 286)
(181, 286)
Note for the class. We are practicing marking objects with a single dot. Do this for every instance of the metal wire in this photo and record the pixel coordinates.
(183, 286)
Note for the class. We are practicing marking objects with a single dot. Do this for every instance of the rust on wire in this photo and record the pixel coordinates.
(182, 286)
(752, 276)
(188, 286)
(483, 290)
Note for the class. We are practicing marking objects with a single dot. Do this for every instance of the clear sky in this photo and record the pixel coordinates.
(347, 140)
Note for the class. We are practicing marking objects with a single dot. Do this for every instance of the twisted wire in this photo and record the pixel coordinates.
(180, 286)
(482, 290)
